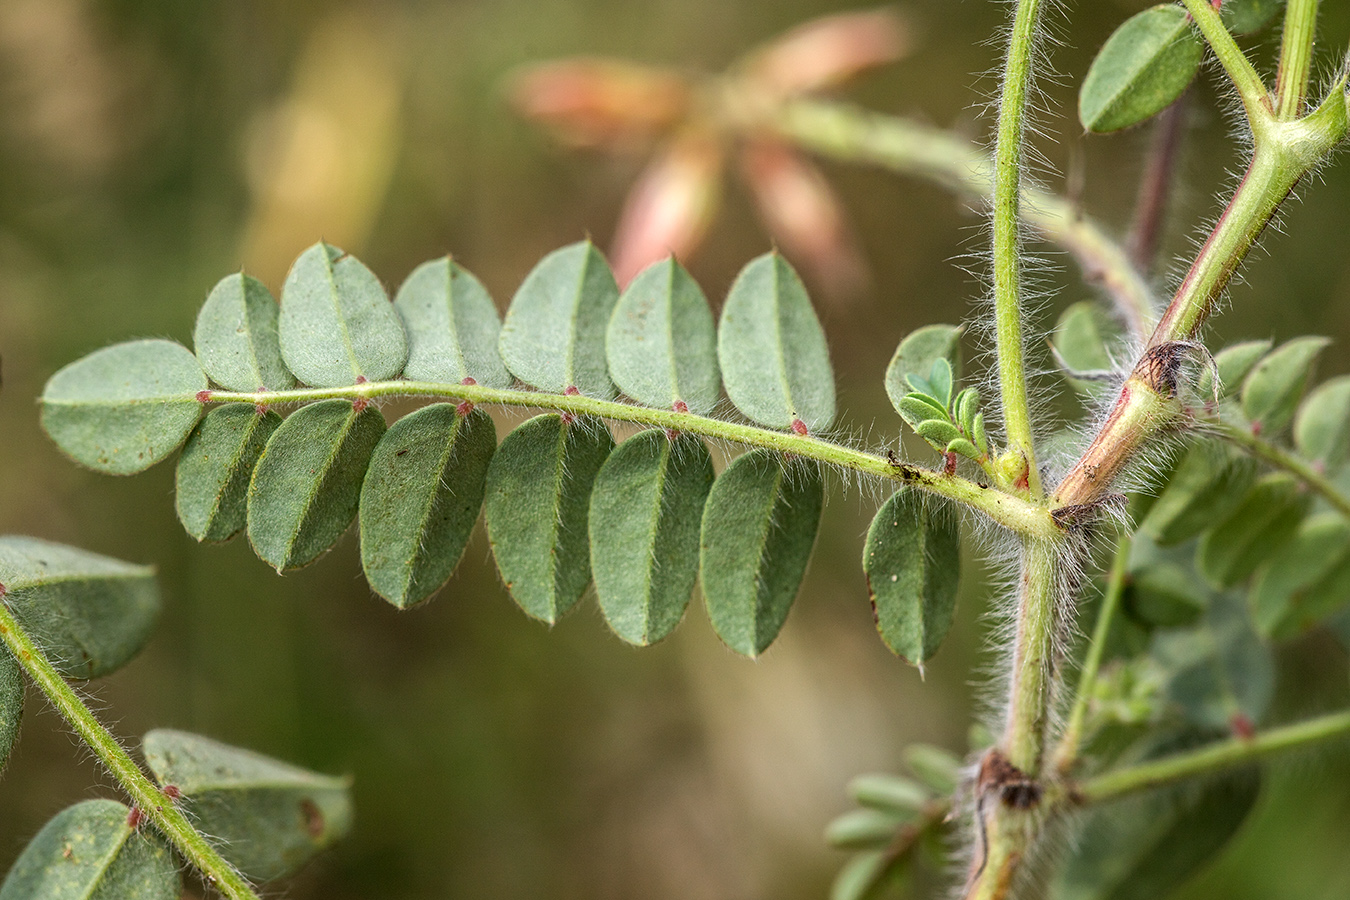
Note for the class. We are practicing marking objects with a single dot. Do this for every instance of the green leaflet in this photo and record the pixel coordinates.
(889, 793)
(859, 875)
(452, 326)
(775, 363)
(554, 334)
(421, 498)
(87, 852)
(1082, 336)
(1271, 391)
(1141, 69)
(91, 613)
(912, 559)
(661, 342)
(538, 498)
(1207, 484)
(1233, 362)
(1246, 16)
(935, 767)
(11, 704)
(646, 508)
(1258, 527)
(267, 817)
(916, 355)
(1217, 670)
(759, 525)
(862, 829)
(122, 409)
(236, 337)
(1322, 426)
(1165, 595)
(1144, 847)
(337, 326)
(307, 485)
(1306, 582)
(211, 484)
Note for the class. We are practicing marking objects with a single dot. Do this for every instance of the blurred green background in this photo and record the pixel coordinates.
(148, 147)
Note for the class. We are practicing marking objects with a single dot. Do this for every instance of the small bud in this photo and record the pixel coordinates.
(360, 404)
(135, 817)
(172, 791)
(799, 427)
(203, 396)
(680, 407)
(464, 408)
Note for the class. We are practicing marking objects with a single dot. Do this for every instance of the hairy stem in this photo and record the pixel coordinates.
(1240, 70)
(1280, 458)
(1033, 664)
(1212, 759)
(1066, 753)
(1007, 510)
(1296, 51)
(854, 135)
(1007, 248)
(163, 812)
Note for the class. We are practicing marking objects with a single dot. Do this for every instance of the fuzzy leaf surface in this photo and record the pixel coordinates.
(1208, 484)
(912, 559)
(662, 343)
(237, 339)
(772, 350)
(1256, 529)
(1141, 69)
(124, 408)
(214, 469)
(90, 613)
(337, 326)
(537, 508)
(452, 326)
(306, 487)
(11, 704)
(87, 852)
(421, 498)
(554, 334)
(1322, 426)
(646, 510)
(916, 355)
(759, 526)
(1271, 391)
(267, 817)
(1306, 582)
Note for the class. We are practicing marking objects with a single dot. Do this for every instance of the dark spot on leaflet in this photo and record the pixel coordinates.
(402, 452)
(314, 823)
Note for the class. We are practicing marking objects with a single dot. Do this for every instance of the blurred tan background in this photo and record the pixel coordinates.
(149, 147)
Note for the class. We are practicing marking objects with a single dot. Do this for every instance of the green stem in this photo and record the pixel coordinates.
(1234, 61)
(1296, 52)
(855, 135)
(1282, 459)
(1066, 754)
(1215, 758)
(1033, 664)
(1008, 153)
(1007, 510)
(160, 810)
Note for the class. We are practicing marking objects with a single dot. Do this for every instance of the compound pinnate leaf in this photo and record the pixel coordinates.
(1208, 483)
(215, 468)
(421, 498)
(452, 326)
(662, 343)
(236, 337)
(11, 704)
(1306, 582)
(1246, 16)
(554, 334)
(916, 355)
(267, 817)
(1322, 425)
(1271, 391)
(122, 409)
(759, 526)
(1217, 669)
(1233, 363)
(337, 325)
(90, 613)
(912, 559)
(1258, 527)
(307, 485)
(772, 350)
(646, 509)
(88, 852)
(537, 507)
(1141, 69)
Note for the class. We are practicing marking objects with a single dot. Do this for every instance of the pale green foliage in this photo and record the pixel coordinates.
(645, 513)
(916, 355)
(452, 326)
(11, 705)
(1246, 16)
(1217, 669)
(91, 613)
(1234, 363)
(1255, 530)
(236, 337)
(758, 530)
(1271, 390)
(1143, 67)
(772, 351)
(1307, 581)
(211, 483)
(1322, 425)
(268, 817)
(88, 852)
(1208, 484)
